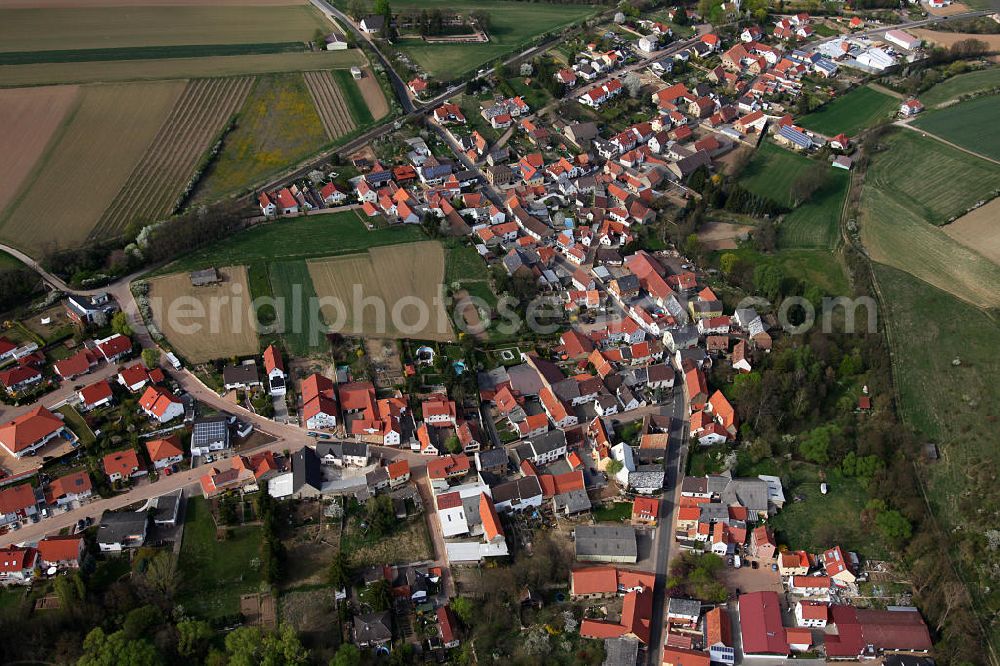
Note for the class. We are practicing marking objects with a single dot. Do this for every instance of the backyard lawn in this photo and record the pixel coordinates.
(77, 425)
(851, 113)
(215, 573)
(615, 513)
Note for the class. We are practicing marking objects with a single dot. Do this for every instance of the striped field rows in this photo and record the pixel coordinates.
(159, 178)
(330, 104)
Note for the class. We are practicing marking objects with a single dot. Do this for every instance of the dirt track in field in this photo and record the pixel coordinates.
(405, 278)
(946, 39)
(230, 333)
(28, 119)
(979, 230)
(722, 235)
(373, 94)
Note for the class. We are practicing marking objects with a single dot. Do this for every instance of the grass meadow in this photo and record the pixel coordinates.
(771, 172)
(971, 124)
(215, 573)
(360, 112)
(512, 26)
(306, 237)
(851, 113)
(291, 282)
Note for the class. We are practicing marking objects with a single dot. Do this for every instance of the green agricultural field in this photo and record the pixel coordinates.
(277, 126)
(963, 84)
(215, 573)
(290, 282)
(464, 266)
(815, 224)
(821, 268)
(851, 113)
(8, 262)
(305, 237)
(971, 124)
(772, 171)
(352, 95)
(512, 26)
(72, 28)
(905, 195)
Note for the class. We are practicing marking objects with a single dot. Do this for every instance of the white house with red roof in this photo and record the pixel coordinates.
(17, 565)
(910, 107)
(319, 402)
(121, 465)
(161, 405)
(439, 410)
(16, 503)
(78, 364)
(274, 367)
(838, 566)
(20, 378)
(30, 432)
(268, 207)
(165, 452)
(73, 487)
(135, 376)
(95, 395)
(62, 552)
(332, 195)
(114, 348)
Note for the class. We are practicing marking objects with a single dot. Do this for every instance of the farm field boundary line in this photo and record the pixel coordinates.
(147, 52)
(329, 101)
(175, 68)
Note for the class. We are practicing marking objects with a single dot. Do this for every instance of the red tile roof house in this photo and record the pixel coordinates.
(17, 565)
(165, 452)
(19, 378)
(96, 395)
(122, 465)
(161, 405)
(62, 552)
(760, 625)
(645, 511)
(319, 402)
(762, 543)
(114, 348)
(16, 503)
(78, 364)
(30, 432)
(441, 470)
(135, 376)
(447, 628)
(70, 488)
(274, 367)
(399, 473)
(439, 411)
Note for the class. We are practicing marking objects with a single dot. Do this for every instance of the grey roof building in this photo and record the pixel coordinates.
(575, 501)
(243, 375)
(646, 479)
(209, 433)
(677, 607)
(518, 493)
(307, 476)
(604, 543)
(121, 530)
(620, 652)
(491, 460)
(373, 629)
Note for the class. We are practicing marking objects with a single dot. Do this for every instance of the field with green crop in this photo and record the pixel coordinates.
(512, 25)
(360, 112)
(277, 126)
(815, 224)
(73, 28)
(905, 195)
(971, 124)
(306, 237)
(850, 113)
(963, 84)
(292, 285)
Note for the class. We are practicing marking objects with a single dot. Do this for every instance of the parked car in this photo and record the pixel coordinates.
(754, 565)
